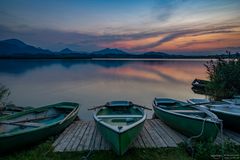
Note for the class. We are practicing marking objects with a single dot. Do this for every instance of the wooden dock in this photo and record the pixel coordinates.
(83, 135)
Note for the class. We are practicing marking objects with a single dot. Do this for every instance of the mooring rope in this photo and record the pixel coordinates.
(222, 139)
(189, 144)
(221, 124)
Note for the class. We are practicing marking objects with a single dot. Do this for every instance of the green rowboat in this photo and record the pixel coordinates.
(226, 111)
(120, 122)
(229, 113)
(235, 100)
(31, 126)
(192, 121)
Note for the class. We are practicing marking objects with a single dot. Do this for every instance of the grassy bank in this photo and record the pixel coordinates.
(203, 151)
(45, 151)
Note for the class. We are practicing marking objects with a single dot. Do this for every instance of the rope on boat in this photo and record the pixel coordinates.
(222, 139)
(200, 134)
(221, 123)
(189, 144)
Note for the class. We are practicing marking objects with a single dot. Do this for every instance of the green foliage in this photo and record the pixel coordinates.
(209, 150)
(4, 92)
(224, 76)
(203, 151)
(45, 151)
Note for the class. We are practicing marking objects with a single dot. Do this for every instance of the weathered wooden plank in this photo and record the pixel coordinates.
(225, 137)
(149, 138)
(173, 134)
(228, 136)
(156, 136)
(84, 137)
(135, 144)
(59, 139)
(169, 141)
(87, 145)
(102, 143)
(61, 147)
(74, 137)
(69, 137)
(78, 139)
(142, 134)
(233, 135)
(140, 140)
(97, 141)
(182, 137)
(92, 141)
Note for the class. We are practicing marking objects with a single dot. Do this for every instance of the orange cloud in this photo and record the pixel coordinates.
(129, 44)
(186, 40)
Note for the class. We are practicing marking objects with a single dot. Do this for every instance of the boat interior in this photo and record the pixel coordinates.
(181, 108)
(32, 120)
(119, 115)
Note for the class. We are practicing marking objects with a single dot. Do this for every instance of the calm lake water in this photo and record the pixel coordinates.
(93, 82)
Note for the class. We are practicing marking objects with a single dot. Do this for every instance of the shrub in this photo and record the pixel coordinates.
(224, 76)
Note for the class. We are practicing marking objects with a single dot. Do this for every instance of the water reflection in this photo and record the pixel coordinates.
(90, 83)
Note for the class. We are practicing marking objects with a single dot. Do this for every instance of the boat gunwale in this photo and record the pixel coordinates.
(215, 109)
(191, 100)
(124, 128)
(225, 112)
(186, 116)
(204, 108)
(75, 110)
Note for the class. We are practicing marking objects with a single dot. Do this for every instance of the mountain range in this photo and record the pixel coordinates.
(14, 48)
(17, 47)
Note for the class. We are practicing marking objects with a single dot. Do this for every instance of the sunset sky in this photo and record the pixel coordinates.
(177, 26)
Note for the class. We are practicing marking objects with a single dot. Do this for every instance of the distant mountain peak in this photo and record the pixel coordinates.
(110, 51)
(156, 54)
(15, 42)
(66, 50)
(15, 46)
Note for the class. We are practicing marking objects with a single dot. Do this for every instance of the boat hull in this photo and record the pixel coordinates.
(120, 141)
(189, 126)
(229, 121)
(21, 140)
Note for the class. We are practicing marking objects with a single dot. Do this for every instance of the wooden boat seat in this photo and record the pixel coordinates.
(120, 116)
(188, 111)
(32, 124)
